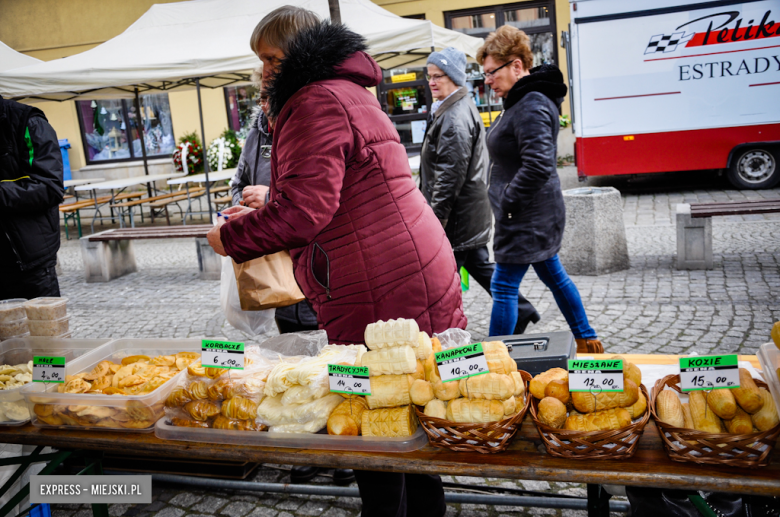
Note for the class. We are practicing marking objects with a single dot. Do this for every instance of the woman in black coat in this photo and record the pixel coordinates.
(524, 191)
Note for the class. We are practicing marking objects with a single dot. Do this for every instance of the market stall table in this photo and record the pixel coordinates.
(74, 183)
(214, 177)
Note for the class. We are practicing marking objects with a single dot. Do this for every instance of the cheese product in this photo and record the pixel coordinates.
(390, 422)
(390, 361)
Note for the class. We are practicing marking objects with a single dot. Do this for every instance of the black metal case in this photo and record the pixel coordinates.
(537, 353)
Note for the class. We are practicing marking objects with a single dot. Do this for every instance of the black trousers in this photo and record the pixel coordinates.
(388, 494)
(41, 281)
(477, 263)
(287, 327)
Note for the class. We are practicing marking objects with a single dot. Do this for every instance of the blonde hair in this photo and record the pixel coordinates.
(506, 44)
(279, 27)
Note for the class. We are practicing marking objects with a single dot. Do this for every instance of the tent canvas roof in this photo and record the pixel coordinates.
(10, 59)
(172, 44)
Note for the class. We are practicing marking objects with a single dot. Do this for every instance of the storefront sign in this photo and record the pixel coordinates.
(349, 379)
(48, 369)
(709, 372)
(595, 376)
(404, 78)
(222, 354)
(461, 362)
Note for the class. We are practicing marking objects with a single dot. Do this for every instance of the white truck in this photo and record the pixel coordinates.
(664, 85)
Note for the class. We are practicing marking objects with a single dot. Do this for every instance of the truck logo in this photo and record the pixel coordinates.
(714, 29)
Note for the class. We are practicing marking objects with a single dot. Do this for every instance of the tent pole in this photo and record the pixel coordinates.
(205, 158)
(140, 125)
(335, 11)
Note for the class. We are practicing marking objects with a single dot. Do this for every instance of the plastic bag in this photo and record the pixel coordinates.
(297, 343)
(453, 338)
(251, 322)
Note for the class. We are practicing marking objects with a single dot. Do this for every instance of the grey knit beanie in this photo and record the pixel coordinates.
(452, 62)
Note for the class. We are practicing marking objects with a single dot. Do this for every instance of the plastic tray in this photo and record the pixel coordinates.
(143, 410)
(12, 310)
(14, 328)
(46, 308)
(48, 327)
(22, 350)
(319, 441)
(769, 358)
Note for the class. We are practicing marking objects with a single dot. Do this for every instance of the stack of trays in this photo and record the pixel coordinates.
(13, 319)
(48, 317)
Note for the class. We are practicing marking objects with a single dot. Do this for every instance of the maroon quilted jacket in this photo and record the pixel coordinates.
(365, 245)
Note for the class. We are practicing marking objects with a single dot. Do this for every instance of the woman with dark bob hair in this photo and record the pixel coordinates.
(524, 191)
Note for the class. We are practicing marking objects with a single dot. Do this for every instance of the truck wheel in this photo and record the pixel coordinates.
(754, 169)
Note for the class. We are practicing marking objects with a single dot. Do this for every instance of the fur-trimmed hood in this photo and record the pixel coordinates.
(322, 52)
(545, 79)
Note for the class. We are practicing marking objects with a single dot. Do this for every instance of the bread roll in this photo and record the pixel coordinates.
(510, 406)
(519, 385)
(559, 389)
(490, 386)
(391, 422)
(470, 411)
(723, 403)
(639, 407)
(615, 418)
(766, 417)
(740, 424)
(747, 394)
(539, 383)
(704, 419)
(669, 408)
(390, 391)
(552, 412)
(497, 357)
(421, 392)
(436, 408)
(347, 418)
(587, 402)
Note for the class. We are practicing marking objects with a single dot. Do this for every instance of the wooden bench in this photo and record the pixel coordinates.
(181, 196)
(110, 254)
(694, 228)
(219, 190)
(70, 211)
(154, 203)
(223, 202)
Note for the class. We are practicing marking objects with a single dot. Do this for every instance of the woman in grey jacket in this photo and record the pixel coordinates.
(453, 172)
(525, 191)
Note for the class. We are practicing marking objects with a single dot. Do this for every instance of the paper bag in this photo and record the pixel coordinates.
(267, 282)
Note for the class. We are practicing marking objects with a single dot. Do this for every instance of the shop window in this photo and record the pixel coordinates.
(110, 128)
(405, 97)
(474, 24)
(240, 101)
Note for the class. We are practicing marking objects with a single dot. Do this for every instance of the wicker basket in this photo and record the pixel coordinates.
(735, 450)
(616, 444)
(486, 438)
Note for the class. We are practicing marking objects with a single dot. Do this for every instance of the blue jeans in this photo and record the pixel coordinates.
(506, 282)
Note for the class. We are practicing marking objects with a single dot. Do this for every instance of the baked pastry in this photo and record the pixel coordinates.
(347, 418)
(201, 409)
(220, 388)
(186, 422)
(235, 424)
(390, 422)
(198, 390)
(239, 408)
(178, 397)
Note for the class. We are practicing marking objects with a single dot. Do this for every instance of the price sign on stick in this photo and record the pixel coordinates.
(595, 376)
(461, 362)
(48, 369)
(349, 379)
(222, 354)
(709, 372)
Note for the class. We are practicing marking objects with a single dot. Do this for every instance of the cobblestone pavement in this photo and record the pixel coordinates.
(651, 307)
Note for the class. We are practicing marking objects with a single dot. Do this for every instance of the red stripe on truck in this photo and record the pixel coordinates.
(666, 152)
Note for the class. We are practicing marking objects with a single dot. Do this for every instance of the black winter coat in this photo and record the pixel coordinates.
(30, 188)
(525, 191)
(453, 172)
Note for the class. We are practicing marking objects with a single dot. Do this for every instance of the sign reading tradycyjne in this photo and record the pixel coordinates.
(349, 379)
(595, 376)
(461, 362)
(709, 372)
(48, 369)
(222, 354)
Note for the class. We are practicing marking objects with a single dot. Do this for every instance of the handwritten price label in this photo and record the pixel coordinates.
(461, 362)
(712, 372)
(351, 380)
(48, 369)
(222, 354)
(596, 376)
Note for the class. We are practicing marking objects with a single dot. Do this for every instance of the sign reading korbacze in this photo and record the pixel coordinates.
(222, 354)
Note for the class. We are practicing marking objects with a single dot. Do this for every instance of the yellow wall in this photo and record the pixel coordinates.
(184, 112)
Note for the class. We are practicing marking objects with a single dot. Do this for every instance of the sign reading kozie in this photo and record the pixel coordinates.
(711, 372)
(349, 379)
(461, 362)
(595, 376)
(222, 354)
(48, 369)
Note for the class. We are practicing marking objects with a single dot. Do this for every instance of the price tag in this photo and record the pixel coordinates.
(222, 354)
(349, 379)
(595, 376)
(709, 372)
(461, 362)
(48, 369)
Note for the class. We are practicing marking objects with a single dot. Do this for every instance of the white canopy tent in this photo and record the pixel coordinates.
(10, 59)
(173, 44)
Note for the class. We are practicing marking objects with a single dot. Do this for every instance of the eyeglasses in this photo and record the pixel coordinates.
(435, 78)
(491, 74)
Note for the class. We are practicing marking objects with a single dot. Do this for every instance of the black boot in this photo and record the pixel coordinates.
(522, 322)
(343, 477)
(300, 475)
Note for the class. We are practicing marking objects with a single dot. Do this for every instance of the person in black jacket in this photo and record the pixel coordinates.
(30, 190)
(453, 172)
(525, 191)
